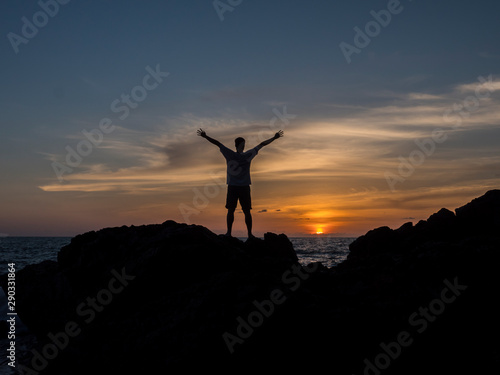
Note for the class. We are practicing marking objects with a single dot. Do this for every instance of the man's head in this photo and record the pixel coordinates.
(239, 143)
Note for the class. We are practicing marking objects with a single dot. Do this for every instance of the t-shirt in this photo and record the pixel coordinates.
(238, 165)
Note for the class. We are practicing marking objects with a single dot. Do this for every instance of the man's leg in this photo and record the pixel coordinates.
(230, 220)
(248, 222)
(246, 206)
(231, 202)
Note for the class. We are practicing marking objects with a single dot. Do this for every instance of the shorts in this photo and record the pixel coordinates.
(241, 193)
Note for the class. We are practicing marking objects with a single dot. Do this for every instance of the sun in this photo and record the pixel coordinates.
(319, 231)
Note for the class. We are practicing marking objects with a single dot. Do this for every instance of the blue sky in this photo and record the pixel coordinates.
(352, 121)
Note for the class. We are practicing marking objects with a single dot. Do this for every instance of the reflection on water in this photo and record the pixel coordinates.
(325, 249)
(29, 250)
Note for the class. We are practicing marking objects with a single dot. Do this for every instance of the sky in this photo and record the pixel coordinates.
(389, 110)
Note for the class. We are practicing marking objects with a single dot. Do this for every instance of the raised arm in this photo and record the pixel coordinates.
(267, 141)
(202, 134)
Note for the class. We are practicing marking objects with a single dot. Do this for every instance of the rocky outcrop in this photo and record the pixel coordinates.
(481, 217)
(148, 296)
(171, 297)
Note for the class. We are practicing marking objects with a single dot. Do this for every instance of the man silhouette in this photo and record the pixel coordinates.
(238, 177)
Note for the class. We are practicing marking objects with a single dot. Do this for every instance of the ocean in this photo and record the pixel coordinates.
(322, 248)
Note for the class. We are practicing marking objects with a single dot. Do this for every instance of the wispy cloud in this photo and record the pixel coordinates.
(327, 168)
(356, 147)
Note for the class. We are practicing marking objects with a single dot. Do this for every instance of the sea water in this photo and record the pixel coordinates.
(29, 250)
(330, 251)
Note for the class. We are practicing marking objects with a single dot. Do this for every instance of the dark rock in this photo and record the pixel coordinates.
(272, 246)
(482, 214)
(405, 229)
(163, 297)
(442, 217)
(187, 286)
(374, 242)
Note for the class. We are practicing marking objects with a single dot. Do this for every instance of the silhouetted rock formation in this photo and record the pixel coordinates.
(481, 217)
(178, 297)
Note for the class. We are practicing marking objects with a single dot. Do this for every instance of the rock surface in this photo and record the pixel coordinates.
(176, 297)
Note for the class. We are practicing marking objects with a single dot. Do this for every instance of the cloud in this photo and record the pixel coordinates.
(329, 166)
(491, 85)
(423, 96)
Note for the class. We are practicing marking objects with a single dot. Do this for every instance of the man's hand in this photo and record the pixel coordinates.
(276, 136)
(202, 134)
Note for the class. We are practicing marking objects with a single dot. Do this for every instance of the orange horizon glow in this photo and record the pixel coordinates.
(338, 214)
(329, 189)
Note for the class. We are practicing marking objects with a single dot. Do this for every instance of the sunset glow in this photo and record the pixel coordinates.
(372, 142)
